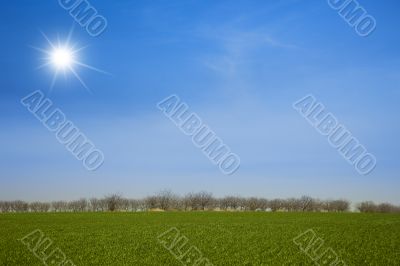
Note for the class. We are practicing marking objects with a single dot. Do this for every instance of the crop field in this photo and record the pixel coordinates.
(222, 238)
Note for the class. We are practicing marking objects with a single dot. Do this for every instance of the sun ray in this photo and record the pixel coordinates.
(53, 82)
(91, 67)
(39, 49)
(79, 78)
(63, 57)
(71, 31)
(43, 65)
(79, 49)
(48, 40)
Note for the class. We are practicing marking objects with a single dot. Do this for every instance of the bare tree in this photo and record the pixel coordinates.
(59, 206)
(306, 203)
(186, 202)
(45, 207)
(34, 206)
(142, 206)
(5, 206)
(113, 202)
(386, 208)
(275, 204)
(367, 206)
(39, 206)
(82, 204)
(124, 204)
(151, 202)
(165, 199)
(198, 201)
(73, 206)
(191, 202)
(230, 203)
(340, 205)
(19, 206)
(205, 199)
(95, 205)
(134, 204)
(252, 204)
(103, 204)
(222, 204)
(263, 203)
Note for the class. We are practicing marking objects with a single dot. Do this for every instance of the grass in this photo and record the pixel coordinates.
(224, 238)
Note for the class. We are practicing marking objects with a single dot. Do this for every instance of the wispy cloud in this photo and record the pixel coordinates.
(238, 46)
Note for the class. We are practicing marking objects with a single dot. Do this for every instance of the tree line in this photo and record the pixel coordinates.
(200, 201)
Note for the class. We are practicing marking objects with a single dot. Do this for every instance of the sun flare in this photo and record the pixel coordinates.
(62, 58)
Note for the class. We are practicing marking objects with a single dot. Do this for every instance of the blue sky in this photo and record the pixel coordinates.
(238, 64)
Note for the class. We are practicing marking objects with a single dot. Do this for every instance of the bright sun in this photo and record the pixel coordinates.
(62, 58)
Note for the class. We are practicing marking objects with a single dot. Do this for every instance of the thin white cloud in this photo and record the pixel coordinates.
(237, 47)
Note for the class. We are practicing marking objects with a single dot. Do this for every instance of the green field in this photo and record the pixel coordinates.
(241, 238)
